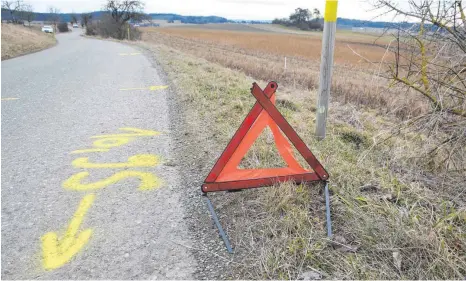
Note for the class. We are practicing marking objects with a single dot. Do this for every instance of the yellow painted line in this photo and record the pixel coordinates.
(110, 142)
(57, 252)
(331, 10)
(148, 181)
(135, 54)
(10, 98)
(89, 150)
(151, 88)
(140, 160)
(137, 133)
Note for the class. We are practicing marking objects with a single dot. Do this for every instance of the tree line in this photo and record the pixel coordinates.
(303, 19)
(17, 11)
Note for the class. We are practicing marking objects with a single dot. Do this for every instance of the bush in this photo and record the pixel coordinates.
(303, 26)
(316, 25)
(91, 29)
(108, 27)
(63, 27)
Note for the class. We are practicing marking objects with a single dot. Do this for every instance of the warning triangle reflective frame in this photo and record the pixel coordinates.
(225, 175)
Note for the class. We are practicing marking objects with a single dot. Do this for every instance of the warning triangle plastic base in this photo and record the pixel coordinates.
(226, 176)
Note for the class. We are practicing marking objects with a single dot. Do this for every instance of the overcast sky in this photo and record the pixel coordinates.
(231, 9)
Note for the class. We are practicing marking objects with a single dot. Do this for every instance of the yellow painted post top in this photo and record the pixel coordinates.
(331, 10)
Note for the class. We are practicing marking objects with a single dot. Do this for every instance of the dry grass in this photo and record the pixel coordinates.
(353, 80)
(18, 40)
(392, 219)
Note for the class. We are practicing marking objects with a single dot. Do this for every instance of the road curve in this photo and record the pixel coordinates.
(85, 191)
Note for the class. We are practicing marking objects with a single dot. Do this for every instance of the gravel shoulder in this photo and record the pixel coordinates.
(194, 149)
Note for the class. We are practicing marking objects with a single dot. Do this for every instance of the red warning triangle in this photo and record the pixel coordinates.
(225, 175)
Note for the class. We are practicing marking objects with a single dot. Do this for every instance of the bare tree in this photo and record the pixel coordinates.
(430, 61)
(123, 11)
(13, 7)
(27, 13)
(54, 16)
(85, 19)
(300, 16)
(316, 13)
(74, 18)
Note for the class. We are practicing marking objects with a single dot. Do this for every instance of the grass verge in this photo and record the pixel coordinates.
(18, 40)
(392, 219)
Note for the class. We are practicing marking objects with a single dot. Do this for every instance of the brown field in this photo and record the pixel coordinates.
(290, 45)
(261, 55)
(18, 40)
(221, 26)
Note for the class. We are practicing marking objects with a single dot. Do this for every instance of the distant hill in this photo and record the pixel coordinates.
(189, 19)
(169, 17)
(341, 22)
(66, 17)
(350, 23)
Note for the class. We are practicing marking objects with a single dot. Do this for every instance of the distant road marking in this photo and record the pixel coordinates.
(140, 160)
(57, 252)
(151, 88)
(10, 98)
(129, 54)
(148, 181)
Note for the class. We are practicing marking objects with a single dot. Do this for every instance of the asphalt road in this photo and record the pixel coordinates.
(74, 202)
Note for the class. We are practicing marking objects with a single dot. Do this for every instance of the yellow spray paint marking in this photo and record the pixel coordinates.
(140, 160)
(111, 141)
(151, 88)
(57, 252)
(10, 99)
(105, 142)
(89, 150)
(137, 133)
(148, 181)
(331, 10)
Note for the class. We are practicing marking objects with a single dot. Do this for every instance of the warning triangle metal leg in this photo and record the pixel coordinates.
(217, 223)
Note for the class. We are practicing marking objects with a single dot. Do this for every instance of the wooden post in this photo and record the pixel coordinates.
(326, 64)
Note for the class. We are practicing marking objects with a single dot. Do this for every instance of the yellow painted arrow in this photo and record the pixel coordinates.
(57, 252)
